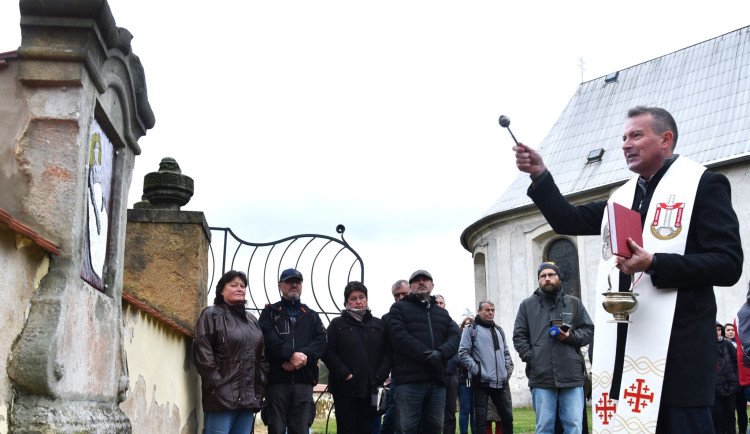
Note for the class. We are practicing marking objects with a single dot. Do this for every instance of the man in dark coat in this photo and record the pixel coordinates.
(295, 341)
(423, 338)
(712, 257)
(554, 365)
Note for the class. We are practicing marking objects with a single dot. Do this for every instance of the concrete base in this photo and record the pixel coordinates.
(32, 414)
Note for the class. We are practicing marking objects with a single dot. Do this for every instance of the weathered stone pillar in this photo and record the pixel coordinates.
(83, 94)
(166, 251)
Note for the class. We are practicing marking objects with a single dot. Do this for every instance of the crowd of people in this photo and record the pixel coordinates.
(732, 376)
(429, 362)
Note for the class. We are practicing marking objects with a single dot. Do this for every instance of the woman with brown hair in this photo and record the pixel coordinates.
(230, 357)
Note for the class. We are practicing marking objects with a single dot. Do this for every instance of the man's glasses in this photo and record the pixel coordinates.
(547, 276)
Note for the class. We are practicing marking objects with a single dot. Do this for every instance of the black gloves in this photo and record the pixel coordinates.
(433, 358)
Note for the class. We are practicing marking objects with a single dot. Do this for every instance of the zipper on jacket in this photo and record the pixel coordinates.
(497, 370)
(429, 325)
(294, 346)
(224, 334)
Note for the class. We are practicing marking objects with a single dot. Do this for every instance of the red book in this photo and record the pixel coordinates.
(624, 223)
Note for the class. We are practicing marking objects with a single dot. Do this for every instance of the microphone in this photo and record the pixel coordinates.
(505, 123)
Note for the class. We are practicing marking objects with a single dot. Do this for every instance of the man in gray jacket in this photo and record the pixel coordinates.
(551, 327)
(485, 355)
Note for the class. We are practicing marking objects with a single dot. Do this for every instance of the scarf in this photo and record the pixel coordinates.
(357, 314)
(490, 325)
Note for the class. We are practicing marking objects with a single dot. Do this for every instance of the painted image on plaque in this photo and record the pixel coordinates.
(98, 207)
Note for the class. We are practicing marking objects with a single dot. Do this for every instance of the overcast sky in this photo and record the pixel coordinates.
(295, 116)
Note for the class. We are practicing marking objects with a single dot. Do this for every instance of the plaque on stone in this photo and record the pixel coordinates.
(98, 203)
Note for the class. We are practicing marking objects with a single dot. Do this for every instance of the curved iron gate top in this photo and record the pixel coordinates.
(326, 264)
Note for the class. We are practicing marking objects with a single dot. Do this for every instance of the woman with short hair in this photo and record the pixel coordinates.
(229, 354)
(358, 360)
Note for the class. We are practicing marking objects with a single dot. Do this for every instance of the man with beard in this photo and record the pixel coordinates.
(485, 355)
(551, 327)
(295, 340)
(423, 337)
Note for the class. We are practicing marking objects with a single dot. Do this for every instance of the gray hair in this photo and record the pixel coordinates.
(439, 296)
(661, 120)
(483, 302)
(399, 283)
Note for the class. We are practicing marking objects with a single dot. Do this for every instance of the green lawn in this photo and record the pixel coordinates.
(523, 422)
(524, 419)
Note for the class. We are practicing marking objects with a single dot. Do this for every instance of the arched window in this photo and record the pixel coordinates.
(564, 253)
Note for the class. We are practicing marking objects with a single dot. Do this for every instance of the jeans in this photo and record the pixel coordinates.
(420, 402)
(228, 422)
(376, 423)
(571, 404)
(388, 425)
(465, 409)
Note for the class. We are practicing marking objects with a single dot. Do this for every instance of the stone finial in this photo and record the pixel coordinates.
(168, 188)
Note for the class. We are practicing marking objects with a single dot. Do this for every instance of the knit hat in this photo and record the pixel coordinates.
(550, 265)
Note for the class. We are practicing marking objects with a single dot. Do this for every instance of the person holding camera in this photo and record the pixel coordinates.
(485, 355)
(551, 327)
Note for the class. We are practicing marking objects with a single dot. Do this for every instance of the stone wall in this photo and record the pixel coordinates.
(164, 393)
(23, 265)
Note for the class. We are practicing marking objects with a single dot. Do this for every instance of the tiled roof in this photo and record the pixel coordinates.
(706, 87)
(145, 307)
(27, 232)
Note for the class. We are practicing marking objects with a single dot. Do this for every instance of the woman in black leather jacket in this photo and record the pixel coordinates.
(230, 358)
(358, 359)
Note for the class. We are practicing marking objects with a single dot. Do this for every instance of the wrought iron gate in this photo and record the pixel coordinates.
(327, 264)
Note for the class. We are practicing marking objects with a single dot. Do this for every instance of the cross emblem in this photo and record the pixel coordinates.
(605, 408)
(668, 229)
(637, 395)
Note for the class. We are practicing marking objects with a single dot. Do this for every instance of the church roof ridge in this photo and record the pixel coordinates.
(705, 86)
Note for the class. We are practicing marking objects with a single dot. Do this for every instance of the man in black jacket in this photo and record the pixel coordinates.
(424, 337)
(295, 341)
(712, 257)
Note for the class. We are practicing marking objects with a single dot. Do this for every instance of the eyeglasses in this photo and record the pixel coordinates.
(547, 276)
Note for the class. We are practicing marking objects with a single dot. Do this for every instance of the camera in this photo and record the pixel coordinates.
(557, 326)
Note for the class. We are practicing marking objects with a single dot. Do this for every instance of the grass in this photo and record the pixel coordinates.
(524, 421)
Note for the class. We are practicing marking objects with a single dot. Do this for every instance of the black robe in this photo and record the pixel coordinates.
(713, 257)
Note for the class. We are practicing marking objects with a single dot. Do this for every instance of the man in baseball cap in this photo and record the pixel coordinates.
(295, 340)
